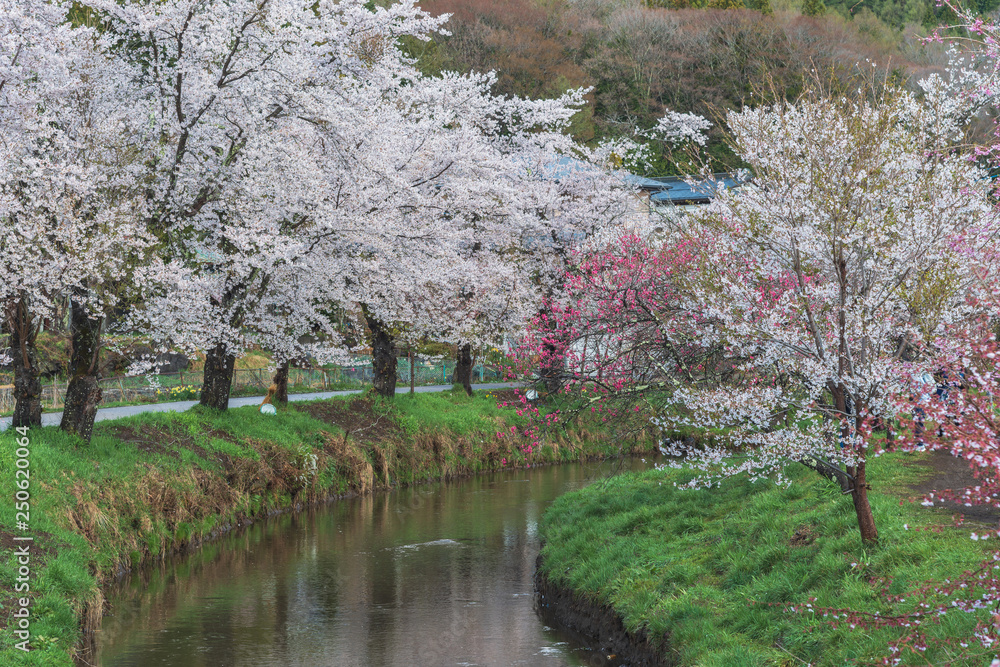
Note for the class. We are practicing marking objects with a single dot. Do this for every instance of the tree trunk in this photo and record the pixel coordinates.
(866, 521)
(84, 391)
(859, 489)
(27, 384)
(413, 380)
(218, 382)
(551, 368)
(281, 384)
(463, 367)
(383, 357)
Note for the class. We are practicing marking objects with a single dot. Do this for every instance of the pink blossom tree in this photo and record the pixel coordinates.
(947, 397)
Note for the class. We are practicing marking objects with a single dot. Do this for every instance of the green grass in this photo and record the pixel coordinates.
(100, 508)
(453, 411)
(688, 564)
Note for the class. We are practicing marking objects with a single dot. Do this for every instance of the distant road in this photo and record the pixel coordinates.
(53, 418)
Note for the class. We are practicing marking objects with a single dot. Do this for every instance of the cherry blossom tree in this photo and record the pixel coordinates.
(67, 196)
(840, 256)
(237, 106)
(250, 281)
(946, 395)
(566, 199)
(462, 192)
(297, 152)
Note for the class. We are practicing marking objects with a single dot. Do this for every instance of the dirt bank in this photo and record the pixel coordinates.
(597, 625)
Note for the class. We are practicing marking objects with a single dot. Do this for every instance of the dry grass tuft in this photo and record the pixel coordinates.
(350, 462)
(382, 462)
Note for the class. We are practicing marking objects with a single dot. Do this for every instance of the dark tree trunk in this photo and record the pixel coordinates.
(551, 368)
(27, 384)
(413, 380)
(463, 367)
(84, 391)
(859, 487)
(281, 384)
(383, 357)
(218, 382)
(862, 508)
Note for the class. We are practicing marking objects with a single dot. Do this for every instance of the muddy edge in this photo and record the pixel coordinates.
(598, 625)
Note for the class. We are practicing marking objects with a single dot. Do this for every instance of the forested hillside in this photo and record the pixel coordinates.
(640, 58)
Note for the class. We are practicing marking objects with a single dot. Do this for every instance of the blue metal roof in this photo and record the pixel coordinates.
(677, 191)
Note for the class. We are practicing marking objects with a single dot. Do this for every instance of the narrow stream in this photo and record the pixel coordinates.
(432, 575)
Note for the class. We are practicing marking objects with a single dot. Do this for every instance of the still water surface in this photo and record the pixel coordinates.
(432, 575)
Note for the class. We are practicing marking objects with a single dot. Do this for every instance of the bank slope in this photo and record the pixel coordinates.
(704, 575)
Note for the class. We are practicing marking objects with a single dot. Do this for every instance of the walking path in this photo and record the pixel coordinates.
(53, 418)
(951, 472)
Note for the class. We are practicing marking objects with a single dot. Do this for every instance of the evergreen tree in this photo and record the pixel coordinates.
(813, 7)
(762, 6)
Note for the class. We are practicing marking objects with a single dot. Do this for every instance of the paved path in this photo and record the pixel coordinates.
(53, 418)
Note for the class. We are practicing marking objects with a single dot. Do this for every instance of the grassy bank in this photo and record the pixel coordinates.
(705, 572)
(160, 482)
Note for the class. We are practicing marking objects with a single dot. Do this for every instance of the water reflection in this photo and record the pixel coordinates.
(434, 575)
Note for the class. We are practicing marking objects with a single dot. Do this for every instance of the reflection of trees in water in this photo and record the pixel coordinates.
(187, 602)
(352, 583)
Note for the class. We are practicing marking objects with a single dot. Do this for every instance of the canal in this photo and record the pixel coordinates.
(439, 574)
